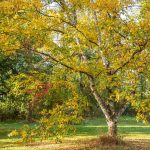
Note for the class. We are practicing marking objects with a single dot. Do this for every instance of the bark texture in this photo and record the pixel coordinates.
(110, 113)
(112, 128)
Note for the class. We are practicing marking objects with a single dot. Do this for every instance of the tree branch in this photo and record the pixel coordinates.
(63, 64)
(121, 111)
(69, 23)
(104, 107)
(129, 60)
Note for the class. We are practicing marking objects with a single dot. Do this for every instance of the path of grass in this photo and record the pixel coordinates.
(89, 129)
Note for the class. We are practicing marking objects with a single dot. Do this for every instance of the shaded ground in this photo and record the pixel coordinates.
(138, 144)
(136, 135)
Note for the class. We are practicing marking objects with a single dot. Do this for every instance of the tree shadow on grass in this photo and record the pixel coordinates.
(122, 130)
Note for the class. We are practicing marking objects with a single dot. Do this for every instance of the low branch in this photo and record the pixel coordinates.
(63, 64)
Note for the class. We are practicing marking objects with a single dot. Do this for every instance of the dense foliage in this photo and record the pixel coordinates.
(85, 51)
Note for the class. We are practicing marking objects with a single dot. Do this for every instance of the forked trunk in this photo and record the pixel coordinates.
(112, 128)
(110, 114)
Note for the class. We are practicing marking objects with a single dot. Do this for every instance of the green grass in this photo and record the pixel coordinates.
(128, 128)
(7, 126)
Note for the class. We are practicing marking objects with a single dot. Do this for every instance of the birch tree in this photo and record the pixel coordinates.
(105, 41)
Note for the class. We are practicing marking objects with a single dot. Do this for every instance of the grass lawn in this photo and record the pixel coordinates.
(135, 132)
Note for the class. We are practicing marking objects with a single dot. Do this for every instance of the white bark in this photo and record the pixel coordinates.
(101, 103)
(112, 128)
(111, 115)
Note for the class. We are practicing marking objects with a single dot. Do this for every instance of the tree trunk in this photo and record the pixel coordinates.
(112, 128)
(110, 113)
(29, 113)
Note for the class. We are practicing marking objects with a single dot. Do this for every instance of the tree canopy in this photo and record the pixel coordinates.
(107, 42)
